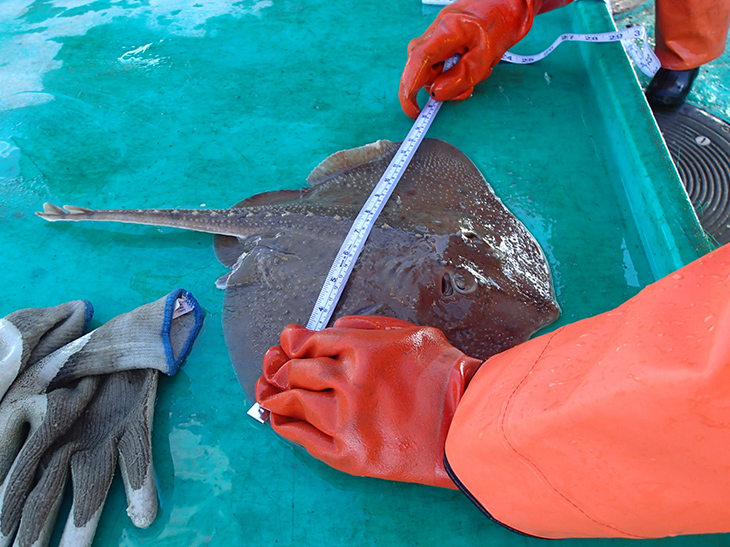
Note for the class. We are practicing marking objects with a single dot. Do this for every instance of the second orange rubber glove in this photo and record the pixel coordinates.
(481, 31)
(371, 396)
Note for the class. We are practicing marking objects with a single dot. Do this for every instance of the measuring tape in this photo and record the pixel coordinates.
(363, 224)
(354, 242)
(644, 57)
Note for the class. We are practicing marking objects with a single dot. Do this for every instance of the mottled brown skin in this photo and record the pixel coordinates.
(444, 252)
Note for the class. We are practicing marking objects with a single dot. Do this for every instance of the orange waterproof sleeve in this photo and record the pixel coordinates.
(614, 426)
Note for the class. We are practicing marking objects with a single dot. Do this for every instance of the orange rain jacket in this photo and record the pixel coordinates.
(614, 426)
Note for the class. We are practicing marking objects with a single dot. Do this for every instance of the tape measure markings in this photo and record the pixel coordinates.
(354, 242)
(644, 58)
(363, 224)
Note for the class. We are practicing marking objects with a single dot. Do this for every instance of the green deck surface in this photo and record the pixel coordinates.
(224, 99)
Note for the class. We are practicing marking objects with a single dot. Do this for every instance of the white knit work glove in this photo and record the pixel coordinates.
(84, 404)
(26, 336)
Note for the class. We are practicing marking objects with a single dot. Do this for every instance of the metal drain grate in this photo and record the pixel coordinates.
(699, 144)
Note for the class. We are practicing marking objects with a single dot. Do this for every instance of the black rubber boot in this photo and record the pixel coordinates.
(670, 87)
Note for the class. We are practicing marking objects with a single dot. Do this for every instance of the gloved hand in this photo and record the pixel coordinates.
(371, 396)
(481, 31)
(87, 421)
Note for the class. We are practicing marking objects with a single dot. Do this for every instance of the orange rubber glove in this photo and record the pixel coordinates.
(371, 396)
(481, 31)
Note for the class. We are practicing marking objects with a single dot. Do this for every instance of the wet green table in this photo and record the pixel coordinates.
(179, 104)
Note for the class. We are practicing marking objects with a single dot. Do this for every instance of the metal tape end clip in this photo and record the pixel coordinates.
(259, 413)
